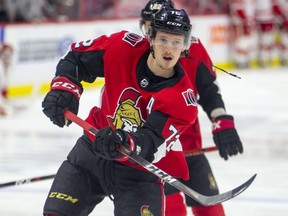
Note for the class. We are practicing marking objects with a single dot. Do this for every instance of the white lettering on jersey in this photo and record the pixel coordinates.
(172, 138)
(171, 143)
(86, 43)
(150, 105)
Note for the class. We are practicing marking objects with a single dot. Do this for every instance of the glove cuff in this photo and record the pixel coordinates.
(65, 84)
(222, 122)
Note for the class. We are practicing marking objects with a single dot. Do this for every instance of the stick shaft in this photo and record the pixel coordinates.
(27, 181)
(204, 200)
(201, 151)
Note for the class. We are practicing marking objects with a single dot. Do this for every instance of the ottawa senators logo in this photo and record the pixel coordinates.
(127, 115)
(212, 181)
(132, 38)
(190, 97)
(144, 211)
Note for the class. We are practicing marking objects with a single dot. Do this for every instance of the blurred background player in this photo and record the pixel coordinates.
(243, 26)
(265, 20)
(254, 35)
(6, 52)
(280, 9)
(23, 10)
(225, 135)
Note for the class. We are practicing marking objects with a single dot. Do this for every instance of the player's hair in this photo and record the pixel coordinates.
(152, 7)
(173, 21)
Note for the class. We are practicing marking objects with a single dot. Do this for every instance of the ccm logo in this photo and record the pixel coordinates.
(63, 197)
(67, 85)
(173, 23)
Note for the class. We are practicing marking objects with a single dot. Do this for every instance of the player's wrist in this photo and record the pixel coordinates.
(217, 112)
(67, 84)
(222, 122)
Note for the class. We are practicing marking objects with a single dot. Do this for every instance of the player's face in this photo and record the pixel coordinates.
(167, 50)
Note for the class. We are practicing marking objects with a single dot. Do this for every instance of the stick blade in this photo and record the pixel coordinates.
(212, 200)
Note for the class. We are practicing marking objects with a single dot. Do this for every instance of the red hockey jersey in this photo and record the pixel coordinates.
(200, 71)
(132, 93)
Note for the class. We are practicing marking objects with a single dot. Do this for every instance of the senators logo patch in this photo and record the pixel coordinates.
(128, 116)
(190, 97)
(212, 181)
(132, 38)
(144, 211)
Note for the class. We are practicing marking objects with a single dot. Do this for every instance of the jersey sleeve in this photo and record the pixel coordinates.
(160, 144)
(84, 60)
(208, 89)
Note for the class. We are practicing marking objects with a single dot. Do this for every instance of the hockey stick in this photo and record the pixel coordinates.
(201, 151)
(47, 177)
(26, 181)
(204, 200)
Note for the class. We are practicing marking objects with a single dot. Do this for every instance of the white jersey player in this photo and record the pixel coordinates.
(253, 23)
(264, 17)
(280, 8)
(243, 23)
(5, 62)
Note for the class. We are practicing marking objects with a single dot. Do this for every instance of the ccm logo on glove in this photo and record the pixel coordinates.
(64, 94)
(63, 83)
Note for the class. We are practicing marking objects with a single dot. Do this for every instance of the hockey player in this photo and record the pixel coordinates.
(6, 52)
(150, 100)
(225, 136)
(264, 18)
(280, 9)
(253, 21)
(242, 14)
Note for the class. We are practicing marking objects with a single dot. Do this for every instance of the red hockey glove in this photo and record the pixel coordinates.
(226, 137)
(108, 142)
(63, 94)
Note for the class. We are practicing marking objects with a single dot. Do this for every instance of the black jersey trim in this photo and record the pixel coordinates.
(149, 82)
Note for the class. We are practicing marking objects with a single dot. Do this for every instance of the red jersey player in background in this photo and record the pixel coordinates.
(149, 99)
(280, 9)
(264, 19)
(242, 18)
(6, 52)
(225, 136)
(255, 24)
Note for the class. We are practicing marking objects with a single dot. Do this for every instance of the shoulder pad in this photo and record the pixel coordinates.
(194, 39)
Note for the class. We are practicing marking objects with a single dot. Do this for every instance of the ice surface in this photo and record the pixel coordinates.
(30, 146)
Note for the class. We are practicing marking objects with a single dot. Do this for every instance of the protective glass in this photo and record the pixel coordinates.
(175, 44)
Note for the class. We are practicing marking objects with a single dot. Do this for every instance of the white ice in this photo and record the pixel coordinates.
(31, 146)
